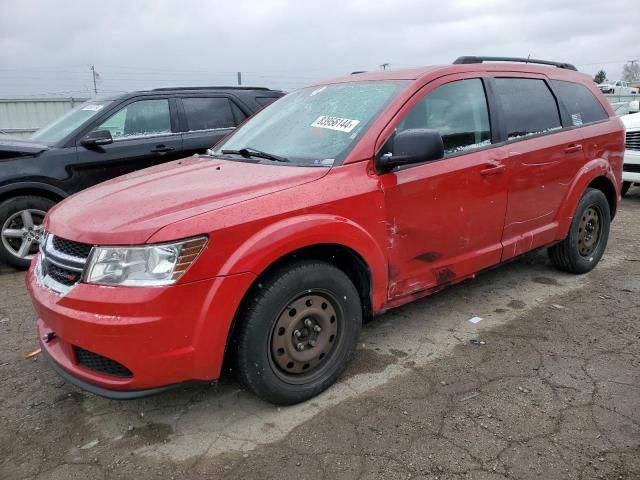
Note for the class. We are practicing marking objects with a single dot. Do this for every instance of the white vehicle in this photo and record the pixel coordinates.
(631, 167)
(618, 88)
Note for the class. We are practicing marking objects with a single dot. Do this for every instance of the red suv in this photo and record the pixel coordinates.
(335, 203)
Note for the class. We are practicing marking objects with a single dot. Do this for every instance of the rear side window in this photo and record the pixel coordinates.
(264, 101)
(457, 111)
(528, 106)
(208, 113)
(582, 105)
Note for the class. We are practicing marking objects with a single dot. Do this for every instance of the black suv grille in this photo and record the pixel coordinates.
(101, 364)
(74, 249)
(633, 141)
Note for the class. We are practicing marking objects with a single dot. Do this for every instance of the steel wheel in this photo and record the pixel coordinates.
(305, 335)
(21, 233)
(589, 230)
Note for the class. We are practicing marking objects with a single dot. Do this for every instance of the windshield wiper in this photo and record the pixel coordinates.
(249, 152)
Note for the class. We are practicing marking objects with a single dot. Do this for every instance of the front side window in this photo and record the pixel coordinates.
(582, 105)
(139, 119)
(528, 106)
(457, 111)
(208, 113)
(69, 122)
(315, 125)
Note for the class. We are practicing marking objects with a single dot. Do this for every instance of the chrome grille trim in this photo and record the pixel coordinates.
(50, 256)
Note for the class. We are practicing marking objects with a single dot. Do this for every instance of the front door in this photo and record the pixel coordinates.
(142, 136)
(445, 218)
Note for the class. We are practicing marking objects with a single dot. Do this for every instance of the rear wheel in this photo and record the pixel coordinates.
(625, 188)
(583, 248)
(298, 332)
(21, 228)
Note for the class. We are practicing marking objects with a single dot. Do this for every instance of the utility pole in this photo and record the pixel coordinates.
(94, 75)
(384, 66)
(239, 78)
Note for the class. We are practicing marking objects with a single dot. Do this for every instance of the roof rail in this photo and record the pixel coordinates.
(218, 87)
(471, 59)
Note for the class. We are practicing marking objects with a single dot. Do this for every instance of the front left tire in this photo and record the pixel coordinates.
(297, 332)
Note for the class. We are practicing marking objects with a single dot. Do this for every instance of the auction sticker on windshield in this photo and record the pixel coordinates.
(335, 123)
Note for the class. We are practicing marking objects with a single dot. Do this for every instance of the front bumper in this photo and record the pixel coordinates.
(162, 336)
(631, 166)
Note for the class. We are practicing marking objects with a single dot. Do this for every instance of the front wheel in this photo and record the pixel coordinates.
(297, 332)
(625, 188)
(21, 228)
(583, 248)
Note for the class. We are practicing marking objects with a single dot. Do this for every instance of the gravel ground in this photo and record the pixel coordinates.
(546, 386)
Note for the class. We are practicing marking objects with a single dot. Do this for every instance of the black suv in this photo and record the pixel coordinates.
(104, 138)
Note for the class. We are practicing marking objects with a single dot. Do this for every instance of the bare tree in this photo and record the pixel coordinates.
(631, 71)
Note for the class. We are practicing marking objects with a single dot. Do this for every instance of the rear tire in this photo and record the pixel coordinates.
(625, 188)
(583, 248)
(298, 332)
(20, 228)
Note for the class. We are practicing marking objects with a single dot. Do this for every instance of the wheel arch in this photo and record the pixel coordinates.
(595, 174)
(32, 188)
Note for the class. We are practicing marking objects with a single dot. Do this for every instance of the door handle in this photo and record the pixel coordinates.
(162, 149)
(573, 148)
(493, 168)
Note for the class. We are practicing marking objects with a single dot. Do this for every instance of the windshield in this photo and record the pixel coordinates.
(58, 130)
(315, 125)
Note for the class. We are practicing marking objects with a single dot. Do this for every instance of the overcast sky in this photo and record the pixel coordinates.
(46, 45)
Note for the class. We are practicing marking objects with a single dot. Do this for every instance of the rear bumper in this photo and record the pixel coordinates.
(631, 167)
(162, 336)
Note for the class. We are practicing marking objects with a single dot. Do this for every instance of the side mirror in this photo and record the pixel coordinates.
(97, 137)
(416, 145)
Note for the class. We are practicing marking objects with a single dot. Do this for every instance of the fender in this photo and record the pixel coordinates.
(32, 186)
(291, 234)
(598, 167)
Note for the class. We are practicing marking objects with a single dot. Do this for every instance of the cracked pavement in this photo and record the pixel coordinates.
(546, 386)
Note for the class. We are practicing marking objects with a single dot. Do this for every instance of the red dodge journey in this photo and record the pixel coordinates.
(335, 203)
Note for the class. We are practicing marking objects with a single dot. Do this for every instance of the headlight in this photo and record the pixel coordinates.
(143, 266)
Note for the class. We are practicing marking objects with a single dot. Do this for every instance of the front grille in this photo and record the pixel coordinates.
(101, 364)
(61, 275)
(62, 262)
(74, 249)
(631, 167)
(633, 141)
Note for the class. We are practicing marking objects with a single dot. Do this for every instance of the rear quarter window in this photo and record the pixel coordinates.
(528, 106)
(581, 104)
(264, 101)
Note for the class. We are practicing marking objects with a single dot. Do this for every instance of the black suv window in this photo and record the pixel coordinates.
(458, 111)
(141, 118)
(264, 101)
(582, 105)
(208, 113)
(528, 105)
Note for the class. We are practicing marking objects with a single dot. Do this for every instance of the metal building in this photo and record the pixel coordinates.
(19, 118)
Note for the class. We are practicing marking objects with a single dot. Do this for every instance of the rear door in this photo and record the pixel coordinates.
(543, 158)
(144, 134)
(205, 120)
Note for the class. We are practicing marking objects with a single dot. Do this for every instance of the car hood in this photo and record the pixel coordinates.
(11, 148)
(631, 121)
(129, 209)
